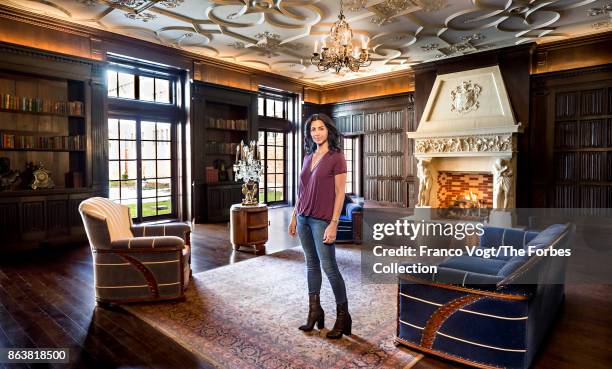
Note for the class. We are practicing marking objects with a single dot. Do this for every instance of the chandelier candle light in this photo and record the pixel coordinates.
(248, 169)
(341, 53)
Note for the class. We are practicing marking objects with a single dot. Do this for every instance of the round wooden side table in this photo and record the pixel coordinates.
(249, 227)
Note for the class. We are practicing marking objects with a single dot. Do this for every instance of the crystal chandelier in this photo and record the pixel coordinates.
(341, 53)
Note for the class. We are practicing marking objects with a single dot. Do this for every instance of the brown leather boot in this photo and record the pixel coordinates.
(315, 314)
(343, 322)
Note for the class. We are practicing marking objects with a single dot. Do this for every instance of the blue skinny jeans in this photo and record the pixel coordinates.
(311, 232)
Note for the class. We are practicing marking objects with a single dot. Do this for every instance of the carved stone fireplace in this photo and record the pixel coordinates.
(465, 143)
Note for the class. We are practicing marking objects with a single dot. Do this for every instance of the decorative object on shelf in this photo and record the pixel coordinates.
(42, 178)
(5, 165)
(9, 179)
(341, 54)
(211, 175)
(73, 179)
(221, 167)
(248, 168)
(464, 98)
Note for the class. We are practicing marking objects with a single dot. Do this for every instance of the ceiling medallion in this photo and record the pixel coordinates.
(238, 45)
(171, 3)
(430, 5)
(268, 43)
(137, 8)
(355, 5)
(475, 36)
(602, 25)
(88, 2)
(341, 54)
(462, 47)
(604, 9)
(145, 17)
(388, 9)
(430, 47)
(128, 3)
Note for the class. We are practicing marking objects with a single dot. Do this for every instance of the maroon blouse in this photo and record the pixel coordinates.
(317, 190)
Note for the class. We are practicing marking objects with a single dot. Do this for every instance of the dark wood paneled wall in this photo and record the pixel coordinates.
(365, 88)
(580, 52)
(571, 138)
(309, 109)
(515, 65)
(388, 117)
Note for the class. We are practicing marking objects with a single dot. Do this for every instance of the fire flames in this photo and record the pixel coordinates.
(469, 200)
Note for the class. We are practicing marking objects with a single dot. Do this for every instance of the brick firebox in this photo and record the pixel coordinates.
(456, 185)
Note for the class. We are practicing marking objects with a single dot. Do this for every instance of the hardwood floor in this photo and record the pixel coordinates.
(46, 301)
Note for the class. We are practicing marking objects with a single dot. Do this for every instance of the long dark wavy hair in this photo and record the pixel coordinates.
(334, 137)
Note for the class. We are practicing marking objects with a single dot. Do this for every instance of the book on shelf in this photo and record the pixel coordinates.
(211, 175)
(73, 179)
(214, 147)
(229, 124)
(13, 141)
(38, 105)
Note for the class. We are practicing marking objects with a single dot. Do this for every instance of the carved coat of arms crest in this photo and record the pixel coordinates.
(464, 98)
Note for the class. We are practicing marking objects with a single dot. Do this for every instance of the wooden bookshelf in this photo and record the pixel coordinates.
(46, 117)
(15, 111)
(583, 147)
(222, 117)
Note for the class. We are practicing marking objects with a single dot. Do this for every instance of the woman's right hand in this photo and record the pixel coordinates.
(292, 227)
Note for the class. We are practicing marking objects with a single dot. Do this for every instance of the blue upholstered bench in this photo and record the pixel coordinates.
(488, 313)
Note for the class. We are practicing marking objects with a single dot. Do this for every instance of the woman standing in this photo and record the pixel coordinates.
(315, 217)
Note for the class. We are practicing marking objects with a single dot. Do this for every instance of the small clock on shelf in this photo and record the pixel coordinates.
(42, 178)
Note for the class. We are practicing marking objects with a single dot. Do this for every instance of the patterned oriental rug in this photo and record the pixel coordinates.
(246, 315)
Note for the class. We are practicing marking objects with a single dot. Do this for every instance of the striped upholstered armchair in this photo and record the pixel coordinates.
(135, 262)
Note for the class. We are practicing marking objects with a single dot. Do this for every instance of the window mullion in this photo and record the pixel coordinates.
(139, 170)
(265, 165)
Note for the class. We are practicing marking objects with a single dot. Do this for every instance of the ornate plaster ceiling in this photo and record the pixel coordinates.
(279, 35)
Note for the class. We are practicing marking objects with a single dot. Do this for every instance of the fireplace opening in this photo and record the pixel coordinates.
(465, 190)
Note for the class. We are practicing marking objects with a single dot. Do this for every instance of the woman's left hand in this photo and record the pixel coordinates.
(329, 236)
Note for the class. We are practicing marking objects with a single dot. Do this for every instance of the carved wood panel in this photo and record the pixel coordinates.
(57, 216)
(9, 220)
(74, 217)
(33, 217)
(386, 159)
